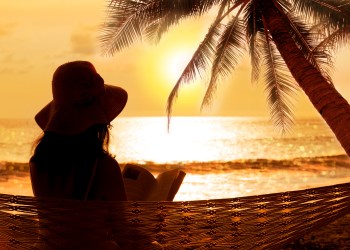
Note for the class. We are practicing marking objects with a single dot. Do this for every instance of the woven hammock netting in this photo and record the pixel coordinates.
(254, 222)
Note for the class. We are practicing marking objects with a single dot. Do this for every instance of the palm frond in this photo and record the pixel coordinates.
(307, 40)
(199, 62)
(284, 5)
(122, 27)
(253, 22)
(128, 18)
(332, 39)
(336, 13)
(154, 31)
(201, 58)
(166, 13)
(279, 86)
(255, 57)
(230, 48)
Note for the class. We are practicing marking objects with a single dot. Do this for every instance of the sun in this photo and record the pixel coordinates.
(174, 64)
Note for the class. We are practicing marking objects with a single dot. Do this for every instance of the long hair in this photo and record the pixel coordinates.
(65, 156)
(92, 142)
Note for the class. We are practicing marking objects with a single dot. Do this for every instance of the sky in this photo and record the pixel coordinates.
(38, 36)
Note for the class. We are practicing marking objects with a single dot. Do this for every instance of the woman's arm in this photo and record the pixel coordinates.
(108, 182)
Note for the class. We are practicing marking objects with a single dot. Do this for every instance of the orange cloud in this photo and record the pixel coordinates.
(83, 41)
(6, 29)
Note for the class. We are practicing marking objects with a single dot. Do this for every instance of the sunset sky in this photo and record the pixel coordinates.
(37, 36)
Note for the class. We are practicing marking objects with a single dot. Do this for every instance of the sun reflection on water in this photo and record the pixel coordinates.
(187, 140)
(222, 156)
(249, 182)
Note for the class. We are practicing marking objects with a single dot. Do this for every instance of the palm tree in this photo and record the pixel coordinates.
(282, 37)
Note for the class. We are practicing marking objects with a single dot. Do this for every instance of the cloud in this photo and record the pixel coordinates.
(83, 40)
(10, 64)
(6, 29)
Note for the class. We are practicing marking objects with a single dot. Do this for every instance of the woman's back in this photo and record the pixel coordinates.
(76, 167)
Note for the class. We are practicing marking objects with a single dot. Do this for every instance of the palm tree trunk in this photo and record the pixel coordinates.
(334, 109)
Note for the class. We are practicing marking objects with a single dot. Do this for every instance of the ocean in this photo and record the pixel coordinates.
(223, 156)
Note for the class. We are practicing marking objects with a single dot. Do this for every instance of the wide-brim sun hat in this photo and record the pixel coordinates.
(80, 100)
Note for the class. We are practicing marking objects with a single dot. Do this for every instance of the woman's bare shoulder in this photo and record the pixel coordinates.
(108, 160)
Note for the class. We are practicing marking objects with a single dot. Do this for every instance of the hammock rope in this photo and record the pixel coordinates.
(254, 222)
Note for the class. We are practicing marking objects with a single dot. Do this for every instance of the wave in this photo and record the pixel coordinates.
(300, 164)
(10, 170)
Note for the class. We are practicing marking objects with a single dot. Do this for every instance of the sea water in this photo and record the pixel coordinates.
(222, 156)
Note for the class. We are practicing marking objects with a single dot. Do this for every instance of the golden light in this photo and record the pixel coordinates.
(175, 63)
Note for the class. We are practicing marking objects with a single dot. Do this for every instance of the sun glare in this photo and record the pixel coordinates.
(174, 65)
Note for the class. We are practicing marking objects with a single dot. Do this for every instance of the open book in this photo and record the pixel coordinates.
(141, 185)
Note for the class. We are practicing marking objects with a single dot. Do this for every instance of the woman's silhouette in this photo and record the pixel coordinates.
(71, 159)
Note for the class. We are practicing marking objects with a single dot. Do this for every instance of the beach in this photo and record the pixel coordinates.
(223, 158)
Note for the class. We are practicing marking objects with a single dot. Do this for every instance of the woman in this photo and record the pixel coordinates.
(71, 159)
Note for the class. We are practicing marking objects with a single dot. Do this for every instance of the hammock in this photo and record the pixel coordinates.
(254, 222)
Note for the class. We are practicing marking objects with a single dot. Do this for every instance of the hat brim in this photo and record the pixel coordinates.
(75, 119)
